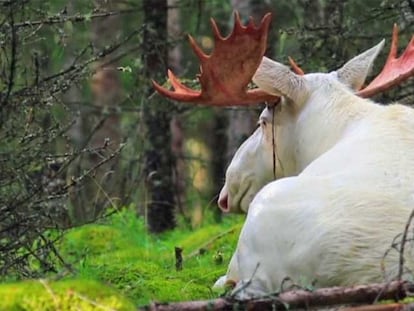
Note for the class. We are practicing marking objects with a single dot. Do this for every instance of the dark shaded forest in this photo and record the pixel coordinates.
(94, 162)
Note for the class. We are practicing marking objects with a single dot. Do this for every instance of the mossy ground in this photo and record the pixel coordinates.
(76, 294)
(117, 264)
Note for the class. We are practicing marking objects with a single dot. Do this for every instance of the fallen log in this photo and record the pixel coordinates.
(385, 307)
(324, 297)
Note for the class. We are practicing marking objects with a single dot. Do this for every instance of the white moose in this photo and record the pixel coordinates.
(352, 189)
(347, 188)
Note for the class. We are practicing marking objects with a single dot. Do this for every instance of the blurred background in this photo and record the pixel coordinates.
(83, 135)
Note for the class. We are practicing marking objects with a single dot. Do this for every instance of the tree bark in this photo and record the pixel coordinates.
(219, 159)
(159, 160)
(324, 297)
(176, 126)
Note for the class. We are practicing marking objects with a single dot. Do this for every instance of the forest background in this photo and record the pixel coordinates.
(85, 140)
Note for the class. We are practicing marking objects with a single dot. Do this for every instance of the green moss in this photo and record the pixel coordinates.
(141, 267)
(63, 296)
(92, 240)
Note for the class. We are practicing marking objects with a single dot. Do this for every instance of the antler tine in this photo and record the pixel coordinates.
(197, 50)
(237, 28)
(295, 67)
(177, 84)
(216, 31)
(394, 43)
(181, 93)
(395, 71)
(239, 54)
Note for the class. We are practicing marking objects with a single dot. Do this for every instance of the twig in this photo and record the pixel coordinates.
(102, 190)
(210, 242)
(50, 291)
(247, 284)
(79, 179)
(402, 247)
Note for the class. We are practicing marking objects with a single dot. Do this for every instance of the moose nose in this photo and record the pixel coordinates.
(223, 200)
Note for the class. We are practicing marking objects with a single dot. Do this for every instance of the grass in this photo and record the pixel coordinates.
(119, 265)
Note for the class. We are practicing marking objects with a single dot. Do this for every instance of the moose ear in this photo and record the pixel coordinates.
(277, 79)
(355, 71)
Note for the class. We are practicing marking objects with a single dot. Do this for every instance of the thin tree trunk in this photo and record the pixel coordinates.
(159, 160)
(219, 159)
(176, 126)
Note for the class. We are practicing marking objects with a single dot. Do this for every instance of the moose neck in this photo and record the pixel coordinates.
(305, 133)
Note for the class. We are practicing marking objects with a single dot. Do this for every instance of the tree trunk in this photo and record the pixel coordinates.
(159, 161)
(219, 159)
(176, 126)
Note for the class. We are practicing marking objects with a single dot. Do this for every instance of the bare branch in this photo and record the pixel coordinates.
(60, 19)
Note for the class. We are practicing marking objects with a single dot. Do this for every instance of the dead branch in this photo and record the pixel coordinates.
(360, 294)
(61, 18)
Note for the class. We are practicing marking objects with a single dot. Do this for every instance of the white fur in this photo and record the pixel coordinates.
(351, 188)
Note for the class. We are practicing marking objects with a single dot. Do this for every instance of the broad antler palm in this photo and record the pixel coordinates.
(227, 71)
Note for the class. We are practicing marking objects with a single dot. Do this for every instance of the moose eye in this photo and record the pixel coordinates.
(262, 122)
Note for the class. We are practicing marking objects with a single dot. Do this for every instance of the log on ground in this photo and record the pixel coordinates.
(324, 297)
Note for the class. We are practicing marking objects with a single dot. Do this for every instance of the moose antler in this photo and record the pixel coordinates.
(395, 71)
(295, 67)
(227, 71)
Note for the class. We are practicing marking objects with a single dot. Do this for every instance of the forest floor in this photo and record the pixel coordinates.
(117, 265)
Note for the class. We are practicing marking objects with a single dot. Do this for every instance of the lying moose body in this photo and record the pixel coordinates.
(347, 188)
